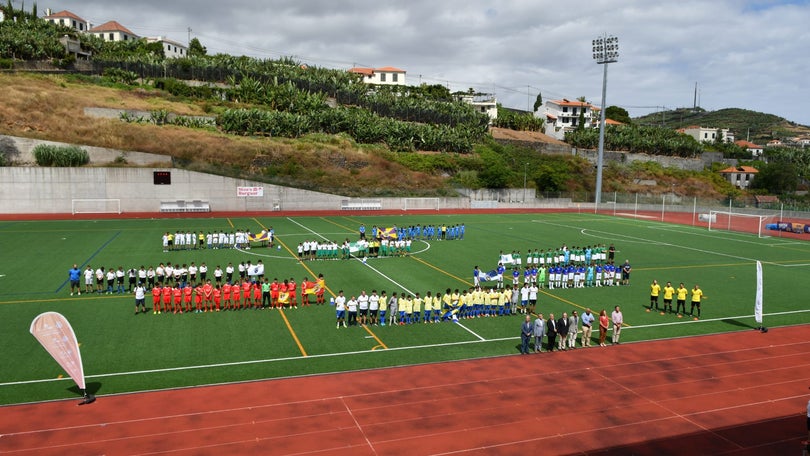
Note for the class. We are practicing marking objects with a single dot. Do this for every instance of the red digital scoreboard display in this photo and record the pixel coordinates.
(163, 177)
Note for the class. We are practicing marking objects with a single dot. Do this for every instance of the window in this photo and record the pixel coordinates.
(394, 77)
(61, 22)
(382, 77)
(565, 109)
(111, 37)
(74, 24)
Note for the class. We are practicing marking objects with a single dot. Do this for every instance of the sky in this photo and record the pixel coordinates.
(749, 54)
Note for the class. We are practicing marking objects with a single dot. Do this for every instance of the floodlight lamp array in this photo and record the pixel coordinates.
(606, 49)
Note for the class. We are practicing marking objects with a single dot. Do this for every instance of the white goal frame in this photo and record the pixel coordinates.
(715, 225)
(95, 206)
(421, 204)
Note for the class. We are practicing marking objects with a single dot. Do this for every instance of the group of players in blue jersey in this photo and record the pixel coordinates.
(417, 232)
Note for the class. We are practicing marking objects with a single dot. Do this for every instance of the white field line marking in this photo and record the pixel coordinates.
(363, 352)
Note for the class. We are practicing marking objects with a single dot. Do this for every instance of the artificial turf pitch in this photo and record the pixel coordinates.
(123, 352)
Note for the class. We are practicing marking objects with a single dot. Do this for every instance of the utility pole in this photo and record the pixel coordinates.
(605, 50)
(188, 43)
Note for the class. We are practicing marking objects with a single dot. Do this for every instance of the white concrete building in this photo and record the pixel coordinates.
(564, 115)
(68, 19)
(382, 76)
(707, 134)
(113, 31)
(484, 103)
(171, 49)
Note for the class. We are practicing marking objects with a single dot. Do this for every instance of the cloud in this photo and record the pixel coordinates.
(747, 54)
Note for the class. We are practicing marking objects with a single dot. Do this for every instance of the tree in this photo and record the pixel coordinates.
(538, 101)
(196, 49)
(777, 178)
(618, 114)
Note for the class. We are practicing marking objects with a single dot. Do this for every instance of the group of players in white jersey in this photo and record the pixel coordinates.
(239, 239)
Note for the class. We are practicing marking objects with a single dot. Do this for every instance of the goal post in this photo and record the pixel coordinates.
(739, 222)
(95, 206)
(421, 204)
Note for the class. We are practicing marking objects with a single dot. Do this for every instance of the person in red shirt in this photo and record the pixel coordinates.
(217, 297)
(198, 297)
(166, 292)
(178, 299)
(291, 290)
(305, 285)
(257, 296)
(208, 296)
(237, 297)
(274, 289)
(155, 299)
(226, 295)
(246, 292)
(187, 297)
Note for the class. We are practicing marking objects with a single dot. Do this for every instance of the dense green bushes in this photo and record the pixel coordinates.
(638, 139)
(48, 155)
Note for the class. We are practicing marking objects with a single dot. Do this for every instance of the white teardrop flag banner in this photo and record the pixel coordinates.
(53, 331)
(758, 298)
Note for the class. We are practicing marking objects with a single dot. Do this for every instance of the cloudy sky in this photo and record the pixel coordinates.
(741, 53)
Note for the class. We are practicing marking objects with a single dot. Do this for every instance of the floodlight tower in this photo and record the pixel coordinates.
(605, 50)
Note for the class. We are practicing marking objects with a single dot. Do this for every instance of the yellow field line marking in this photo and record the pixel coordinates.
(440, 270)
(295, 255)
(337, 224)
(381, 344)
(229, 222)
(292, 333)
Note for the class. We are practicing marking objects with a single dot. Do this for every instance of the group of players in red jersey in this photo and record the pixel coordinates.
(207, 297)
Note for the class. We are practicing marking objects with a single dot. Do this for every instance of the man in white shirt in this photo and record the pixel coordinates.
(140, 298)
(362, 305)
(618, 320)
(373, 307)
(340, 309)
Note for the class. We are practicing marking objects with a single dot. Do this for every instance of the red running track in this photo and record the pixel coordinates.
(741, 393)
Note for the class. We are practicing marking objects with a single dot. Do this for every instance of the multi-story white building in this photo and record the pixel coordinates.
(707, 134)
(67, 19)
(564, 115)
(484, 103)
(171, 49)
(382, 76)
(113, 31)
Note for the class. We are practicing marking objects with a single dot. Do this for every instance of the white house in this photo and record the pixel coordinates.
(67, 19)
(564, 115)
(382, 76)
(113, 31)
(740, 176)
(171, 49)
(707, 134)
(483, 103)
(756, 150)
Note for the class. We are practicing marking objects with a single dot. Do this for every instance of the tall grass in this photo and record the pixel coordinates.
(62, 156)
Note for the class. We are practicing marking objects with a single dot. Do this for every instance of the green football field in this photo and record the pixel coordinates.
(123, 352)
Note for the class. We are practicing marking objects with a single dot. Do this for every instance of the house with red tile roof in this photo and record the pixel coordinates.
(113, 31)
(68, 19)
(383, 76)
(756, 150)
(564, 115)
(739, 176)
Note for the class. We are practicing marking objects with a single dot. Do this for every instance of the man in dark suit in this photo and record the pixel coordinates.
(562, 330)
(551, 331)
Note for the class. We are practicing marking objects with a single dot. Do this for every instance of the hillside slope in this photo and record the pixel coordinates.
(51, 108)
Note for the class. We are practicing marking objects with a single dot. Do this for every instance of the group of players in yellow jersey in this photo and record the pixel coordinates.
(680, 294)
(406, 308)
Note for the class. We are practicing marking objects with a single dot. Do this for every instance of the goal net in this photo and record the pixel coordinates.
(739, 222)
(420, 204)
(96, 206)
